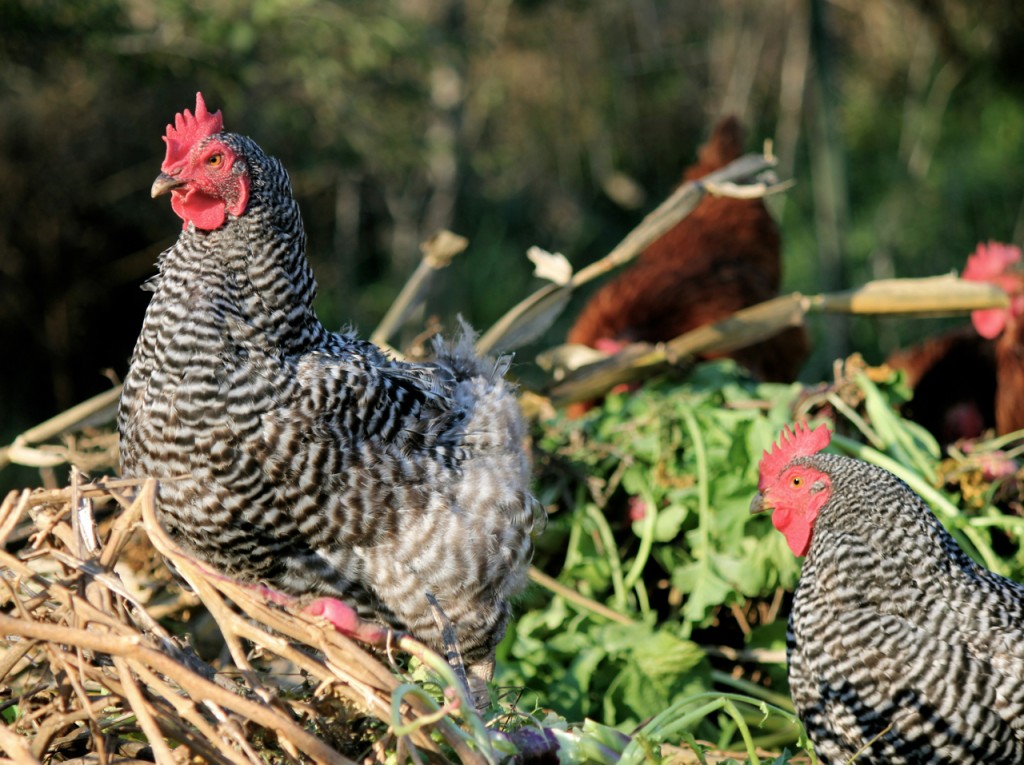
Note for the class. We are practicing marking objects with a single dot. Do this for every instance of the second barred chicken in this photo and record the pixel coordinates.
(902, 650)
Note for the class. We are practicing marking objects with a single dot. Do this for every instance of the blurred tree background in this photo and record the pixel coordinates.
(550, 122)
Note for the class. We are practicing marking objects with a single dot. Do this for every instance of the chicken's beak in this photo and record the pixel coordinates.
(757, 504)
(165, 183)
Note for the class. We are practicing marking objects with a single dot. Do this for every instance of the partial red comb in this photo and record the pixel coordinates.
(990, 261)
(801, 442)
(187, 130)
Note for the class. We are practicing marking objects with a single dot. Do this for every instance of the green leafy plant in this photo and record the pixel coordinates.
(664, 602)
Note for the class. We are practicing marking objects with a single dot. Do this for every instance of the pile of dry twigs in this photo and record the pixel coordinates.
(88, 673)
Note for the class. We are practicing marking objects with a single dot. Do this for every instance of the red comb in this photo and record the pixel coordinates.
(187, 130)
(990, 261)
(801, 442)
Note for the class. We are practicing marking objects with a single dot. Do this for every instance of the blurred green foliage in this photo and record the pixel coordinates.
(675, 594)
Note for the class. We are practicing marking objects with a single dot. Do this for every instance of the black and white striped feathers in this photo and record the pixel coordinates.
(308, 460)
(901, 649)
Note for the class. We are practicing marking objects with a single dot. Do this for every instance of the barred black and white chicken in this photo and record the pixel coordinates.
(307, 460)
(902, 650)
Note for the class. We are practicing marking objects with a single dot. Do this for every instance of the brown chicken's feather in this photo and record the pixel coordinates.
(1010, 378)
(723, 257)
(965, 384)
(953, 376)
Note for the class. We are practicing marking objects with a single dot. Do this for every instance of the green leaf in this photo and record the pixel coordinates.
(704, 589)
(669, 522)
(664, 654)
(743, 576)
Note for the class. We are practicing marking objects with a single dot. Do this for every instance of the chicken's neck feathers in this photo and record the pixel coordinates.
(874, 516)
(250, 276)
(874, 505)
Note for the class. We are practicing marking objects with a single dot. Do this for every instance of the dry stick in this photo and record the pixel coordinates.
(941, 294)
(244, 598)
(77, 546)
(59, 664)
(124, 500)
(330, 642)
(11, 512)
(132, 647)
(211, 749)
(930, 296)
(73, 669)
(233, 626)
(56, 719)
(86, 611)
(133, 695)
(225, 618)
(12, 655)
(122, 527)
(312, 632)
(72, 601)
(16, 747)
(532, 316)
(189, 711)
(232, 730)
(117, 538)
(101, 488)
(77, 605)
(453, 736)
(367, 699)
(340, 652)
(643, 359)
(357, 690)
(679, 204)
(99, 408)
(438, 252)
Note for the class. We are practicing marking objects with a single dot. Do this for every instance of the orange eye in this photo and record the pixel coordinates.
(797, 482)
(215, 160)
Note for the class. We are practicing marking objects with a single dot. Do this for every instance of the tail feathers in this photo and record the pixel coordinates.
(459, 354)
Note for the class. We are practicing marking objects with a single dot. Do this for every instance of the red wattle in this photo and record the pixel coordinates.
(206, 212)
(780, 519)
(990, 322)
(796, 530)
(799, 538)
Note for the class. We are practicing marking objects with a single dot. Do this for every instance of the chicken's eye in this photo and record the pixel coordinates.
(797, 481)
(215, 160)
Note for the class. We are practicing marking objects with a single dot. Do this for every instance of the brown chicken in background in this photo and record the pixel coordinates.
(721, 258)
(971, 379)
(953, 376)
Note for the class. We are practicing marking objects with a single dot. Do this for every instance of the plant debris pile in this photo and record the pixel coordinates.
(89, 665)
